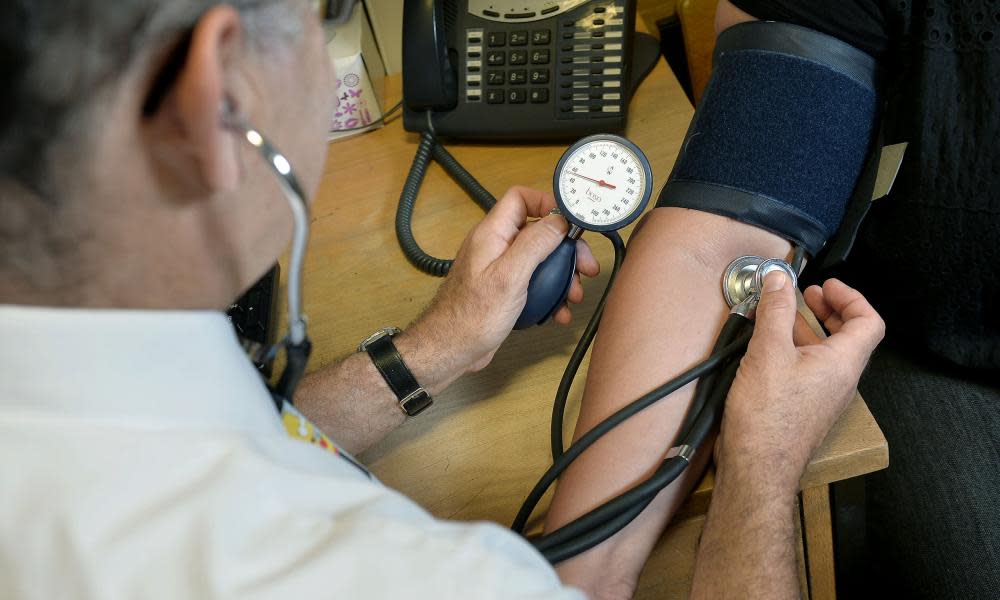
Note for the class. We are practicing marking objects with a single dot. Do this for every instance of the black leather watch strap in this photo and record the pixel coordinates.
(413, 399)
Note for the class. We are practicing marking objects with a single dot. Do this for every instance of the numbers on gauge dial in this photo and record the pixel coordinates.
(602, 182)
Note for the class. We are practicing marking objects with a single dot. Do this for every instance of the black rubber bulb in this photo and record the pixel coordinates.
(549, 285)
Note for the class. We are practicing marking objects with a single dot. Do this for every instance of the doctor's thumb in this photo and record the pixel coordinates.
(775, 312)
(533, 244)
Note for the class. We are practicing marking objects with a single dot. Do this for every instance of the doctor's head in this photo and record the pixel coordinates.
(119, 183)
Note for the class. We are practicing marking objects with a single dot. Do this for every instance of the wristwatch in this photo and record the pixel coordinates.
(413, 399)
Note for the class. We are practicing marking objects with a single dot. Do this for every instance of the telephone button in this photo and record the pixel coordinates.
(518, 38)
(518, 57)
(496, 38)
(539, 95)
(518, 75)
(516, 95)
(526, 15)
(540, 57)
(496, 58)
(494, 77)
(491, 13)
(541, 36)
(550, 9)
(600, 9)
(494, 96)
(539, 76)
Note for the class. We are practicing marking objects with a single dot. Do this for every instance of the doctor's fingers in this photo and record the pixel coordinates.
(575, 295)
(586, 262)
(515, 206)
(776, 314)
(855, 326)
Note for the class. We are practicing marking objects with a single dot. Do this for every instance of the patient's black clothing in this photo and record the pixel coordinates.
(928, 258)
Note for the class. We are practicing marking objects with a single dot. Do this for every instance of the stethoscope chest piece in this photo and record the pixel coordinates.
(744, 277)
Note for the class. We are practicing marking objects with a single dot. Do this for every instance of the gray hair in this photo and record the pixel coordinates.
(57, 56)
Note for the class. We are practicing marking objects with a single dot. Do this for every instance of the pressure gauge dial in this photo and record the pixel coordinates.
(602, 183)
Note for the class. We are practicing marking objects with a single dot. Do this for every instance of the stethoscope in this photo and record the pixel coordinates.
(296, 342)
(602, 183)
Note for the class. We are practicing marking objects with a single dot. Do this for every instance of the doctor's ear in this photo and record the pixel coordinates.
(188, 100)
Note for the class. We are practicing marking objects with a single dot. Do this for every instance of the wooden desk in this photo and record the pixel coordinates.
(477, 452)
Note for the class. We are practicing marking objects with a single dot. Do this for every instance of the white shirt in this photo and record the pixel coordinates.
(141, 457)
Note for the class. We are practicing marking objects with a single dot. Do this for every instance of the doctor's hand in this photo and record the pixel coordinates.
(792, 385)
(486, 289)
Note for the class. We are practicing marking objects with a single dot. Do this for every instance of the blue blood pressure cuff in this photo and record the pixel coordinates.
(782, 133)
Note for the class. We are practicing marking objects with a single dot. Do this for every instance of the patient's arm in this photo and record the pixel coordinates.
(662, 317)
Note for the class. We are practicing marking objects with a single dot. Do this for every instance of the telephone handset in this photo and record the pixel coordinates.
(517, 69)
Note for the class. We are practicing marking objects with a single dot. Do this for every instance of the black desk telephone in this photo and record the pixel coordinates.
(517, 69)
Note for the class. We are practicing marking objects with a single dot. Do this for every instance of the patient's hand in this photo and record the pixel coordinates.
(792, 385)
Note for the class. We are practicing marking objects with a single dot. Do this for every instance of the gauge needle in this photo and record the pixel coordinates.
(599, 182)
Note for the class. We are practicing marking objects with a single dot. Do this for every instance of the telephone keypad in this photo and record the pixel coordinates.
(570, 67)
(516, 95)
(574, 64)
(518, 38)
(539, 95)
(540, 37)
(518, 76)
